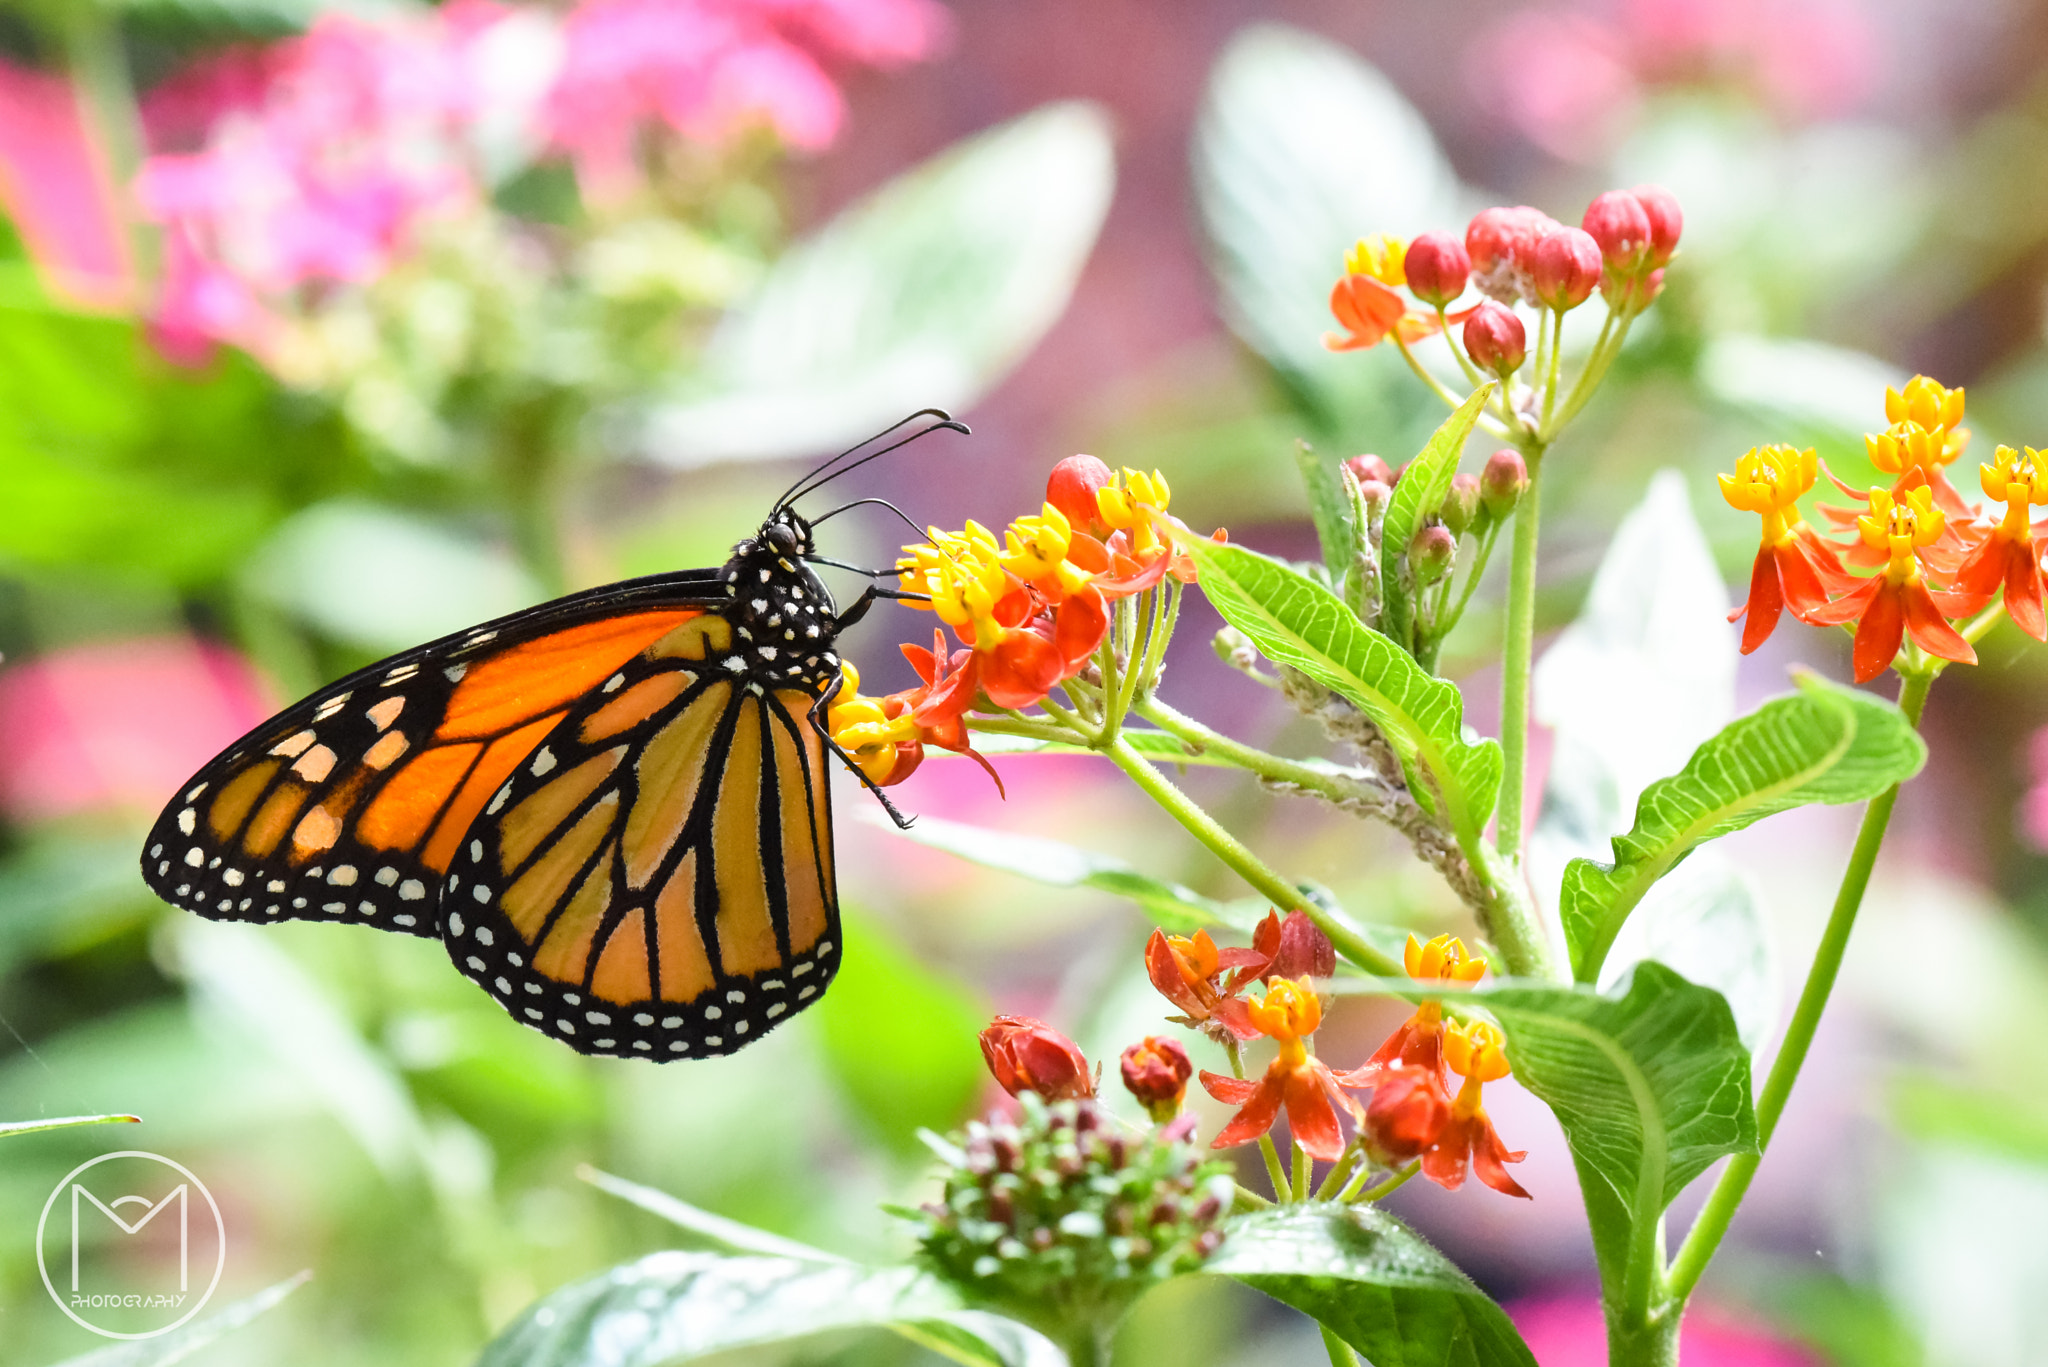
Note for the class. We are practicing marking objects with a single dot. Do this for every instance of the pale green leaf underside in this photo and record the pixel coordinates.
(674, 1307)
(1824, 743)
(1295, 621)
(179, 1344)
(1373, 1282)
(1651, 1088)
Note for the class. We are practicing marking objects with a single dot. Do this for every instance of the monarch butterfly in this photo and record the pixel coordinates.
(612, 809)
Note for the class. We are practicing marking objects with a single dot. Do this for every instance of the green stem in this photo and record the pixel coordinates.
(1556, 321)
(1649, 1342)
(1304, 1169)
(1521, 643)
(1493, 426)
(1386, 1188)
(1340, 1351)
(1341, 1171)
(1244, 1200)
(1613, 334)
(1486, 544)
(1241, 860)
(1274, 1172)
(1712, 1224)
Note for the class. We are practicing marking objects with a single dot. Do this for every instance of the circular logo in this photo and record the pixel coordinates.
(131, 1245)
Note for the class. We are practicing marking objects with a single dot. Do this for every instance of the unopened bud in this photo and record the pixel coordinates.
(1027, 1055)
(1072, 488)
(1365, 469)
(1618, 222)
(1667, 221)
(1430, 554)
(1461, 505)
(1495, 339)
(1564, 268)
(1437, 266)
(1499, 243)
(1156, 1072)
(1503, 482)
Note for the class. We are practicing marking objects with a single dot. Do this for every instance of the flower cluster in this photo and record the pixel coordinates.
(1413, 1113)
(1031, 609)
(322, 160)
(1509, 256)
(1936, 560)
(1063, 1216)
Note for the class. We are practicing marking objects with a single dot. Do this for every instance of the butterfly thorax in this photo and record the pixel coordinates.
(782, 615)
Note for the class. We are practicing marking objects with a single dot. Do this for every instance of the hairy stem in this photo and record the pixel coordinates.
(1712, 1224)
(1386, 1188)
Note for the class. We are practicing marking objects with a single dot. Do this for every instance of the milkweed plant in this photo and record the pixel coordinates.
(1053, 1214)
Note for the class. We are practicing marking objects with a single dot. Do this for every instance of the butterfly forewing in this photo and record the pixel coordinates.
(655, 880)
(350, 805)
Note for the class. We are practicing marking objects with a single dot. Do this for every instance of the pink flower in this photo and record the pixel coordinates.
(705, 67)
(311, 162)
(55, 187)
(119, 724)
(1567, 1331)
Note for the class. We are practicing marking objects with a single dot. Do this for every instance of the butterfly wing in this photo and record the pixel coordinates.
(657, 880)
(350, 805)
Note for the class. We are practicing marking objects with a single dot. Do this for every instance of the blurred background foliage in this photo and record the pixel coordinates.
(535, 335)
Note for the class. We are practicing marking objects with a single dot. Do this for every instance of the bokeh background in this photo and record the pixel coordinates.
(325, 328)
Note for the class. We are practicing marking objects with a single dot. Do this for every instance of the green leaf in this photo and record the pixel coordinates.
(1295, 621)
(925, 293)
(898, 1038)
(113, 459)
(1424, 484)
(676, 1307)
(10, 1128)
(740, 1238)
(1651, 1088)
(1373, 1282)
(181, 1343)
(1056, 864)
(1824, 743)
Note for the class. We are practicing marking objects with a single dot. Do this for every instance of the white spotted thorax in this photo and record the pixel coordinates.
(287, 824)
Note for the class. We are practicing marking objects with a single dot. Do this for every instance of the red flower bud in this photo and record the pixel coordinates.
(1437, 267)
(1072, 488)
(1366, 469)
(1618, 222)
(1564, 269)
(1409, 1109)
(1157, 1073)
(1461, 505)
(1495, 339)
(1667, 220)
(1503, 482)
(1499, 243)
(1431, 552)
(1028, 1055)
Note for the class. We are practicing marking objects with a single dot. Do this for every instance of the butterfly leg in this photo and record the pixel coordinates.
(817, 719)
(867, 600)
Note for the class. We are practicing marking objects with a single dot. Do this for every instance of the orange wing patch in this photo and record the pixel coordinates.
(550, 672)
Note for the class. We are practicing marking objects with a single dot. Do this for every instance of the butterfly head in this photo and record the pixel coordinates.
(787, 534)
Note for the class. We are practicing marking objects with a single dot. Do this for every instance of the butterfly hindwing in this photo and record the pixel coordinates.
(349, 805)
(656, 879)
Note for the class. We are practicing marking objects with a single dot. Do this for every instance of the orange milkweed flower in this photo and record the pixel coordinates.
(1897, 602)
(1186, 970)
(1794, 566)
(2008, 557)
(886, 736)
(1418, 1043)
(1476, 1053)
(1296, 1080)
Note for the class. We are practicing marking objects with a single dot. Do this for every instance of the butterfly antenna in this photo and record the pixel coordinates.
(824, 472)
(864, 502)
(832, 470)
